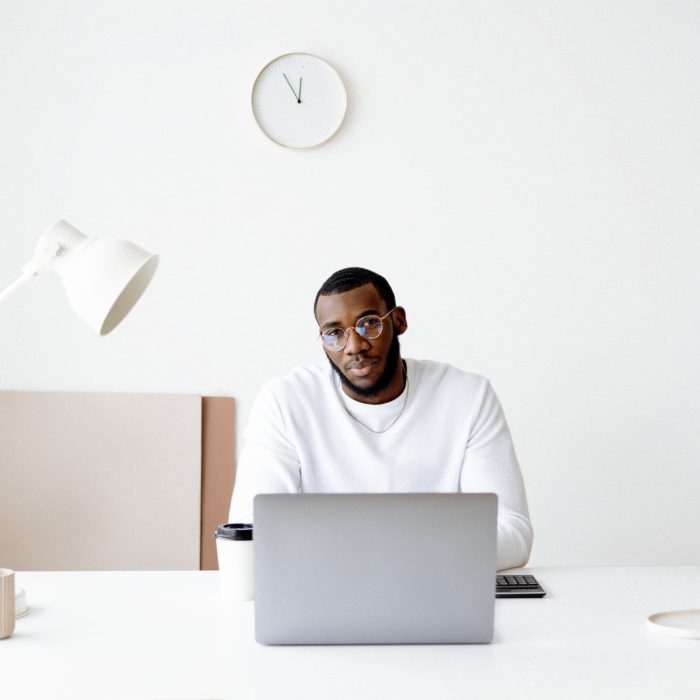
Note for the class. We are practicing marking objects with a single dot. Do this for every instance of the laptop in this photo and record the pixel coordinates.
(375, 568)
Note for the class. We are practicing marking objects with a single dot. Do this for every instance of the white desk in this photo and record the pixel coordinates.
(166, 635)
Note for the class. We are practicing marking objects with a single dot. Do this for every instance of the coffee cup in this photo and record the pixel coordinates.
(234, 550)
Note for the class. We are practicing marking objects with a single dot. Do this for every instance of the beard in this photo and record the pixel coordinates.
(392, 361)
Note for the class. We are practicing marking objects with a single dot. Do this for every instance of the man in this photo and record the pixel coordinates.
(369, 421)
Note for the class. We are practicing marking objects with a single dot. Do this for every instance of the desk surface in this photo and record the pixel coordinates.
(167, 635)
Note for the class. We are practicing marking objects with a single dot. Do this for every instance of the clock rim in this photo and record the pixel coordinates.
(345, 101)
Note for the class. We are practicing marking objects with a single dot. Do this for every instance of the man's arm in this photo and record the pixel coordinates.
(268, 462)
(490, 465)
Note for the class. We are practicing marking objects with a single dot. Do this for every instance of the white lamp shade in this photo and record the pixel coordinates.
(103, 277)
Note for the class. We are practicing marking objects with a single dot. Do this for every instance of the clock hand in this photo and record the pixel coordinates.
(300, 79)
(290, 87)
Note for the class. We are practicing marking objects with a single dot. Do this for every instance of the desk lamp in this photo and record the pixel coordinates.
(103, 277)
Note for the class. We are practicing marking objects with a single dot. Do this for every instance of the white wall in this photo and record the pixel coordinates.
(525, 174)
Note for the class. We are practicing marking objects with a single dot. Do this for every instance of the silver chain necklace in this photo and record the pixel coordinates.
(364, 425)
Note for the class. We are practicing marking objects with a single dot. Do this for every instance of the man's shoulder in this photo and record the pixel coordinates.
(300, 380)
(431, 371)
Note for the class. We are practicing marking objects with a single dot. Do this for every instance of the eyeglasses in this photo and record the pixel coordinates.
(368, 327)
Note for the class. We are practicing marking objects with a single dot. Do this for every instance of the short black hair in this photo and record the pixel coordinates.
(353, 277)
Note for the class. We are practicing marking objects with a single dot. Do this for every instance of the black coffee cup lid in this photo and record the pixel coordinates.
(234, 531)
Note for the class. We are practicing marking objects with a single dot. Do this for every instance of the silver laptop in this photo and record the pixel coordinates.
(374, 568)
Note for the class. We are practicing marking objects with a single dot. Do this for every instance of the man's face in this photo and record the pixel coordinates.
(366, 367)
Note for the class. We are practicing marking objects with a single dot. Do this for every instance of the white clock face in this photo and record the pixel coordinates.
(299, 101)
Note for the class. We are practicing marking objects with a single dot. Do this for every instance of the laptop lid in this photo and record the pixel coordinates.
(374, 568)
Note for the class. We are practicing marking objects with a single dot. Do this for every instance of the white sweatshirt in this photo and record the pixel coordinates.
(450, 436)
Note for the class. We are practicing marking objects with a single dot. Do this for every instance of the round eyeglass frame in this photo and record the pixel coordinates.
(346, 335)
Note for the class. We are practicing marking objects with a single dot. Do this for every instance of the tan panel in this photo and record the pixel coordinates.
(99, 481)
(218, 471)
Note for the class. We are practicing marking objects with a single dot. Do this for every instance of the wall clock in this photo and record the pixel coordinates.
(299, 101)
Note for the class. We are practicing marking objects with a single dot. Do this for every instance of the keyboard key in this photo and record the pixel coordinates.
(518, 586)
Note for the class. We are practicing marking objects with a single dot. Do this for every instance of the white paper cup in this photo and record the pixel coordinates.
(7, 603)
(234, 549)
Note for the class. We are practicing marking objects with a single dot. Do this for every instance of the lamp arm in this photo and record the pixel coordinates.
(17, 283)
(43, 255)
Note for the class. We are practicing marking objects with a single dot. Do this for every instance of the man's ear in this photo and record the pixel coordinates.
(400, 322)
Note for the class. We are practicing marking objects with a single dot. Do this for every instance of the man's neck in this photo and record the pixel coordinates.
(392, 391)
